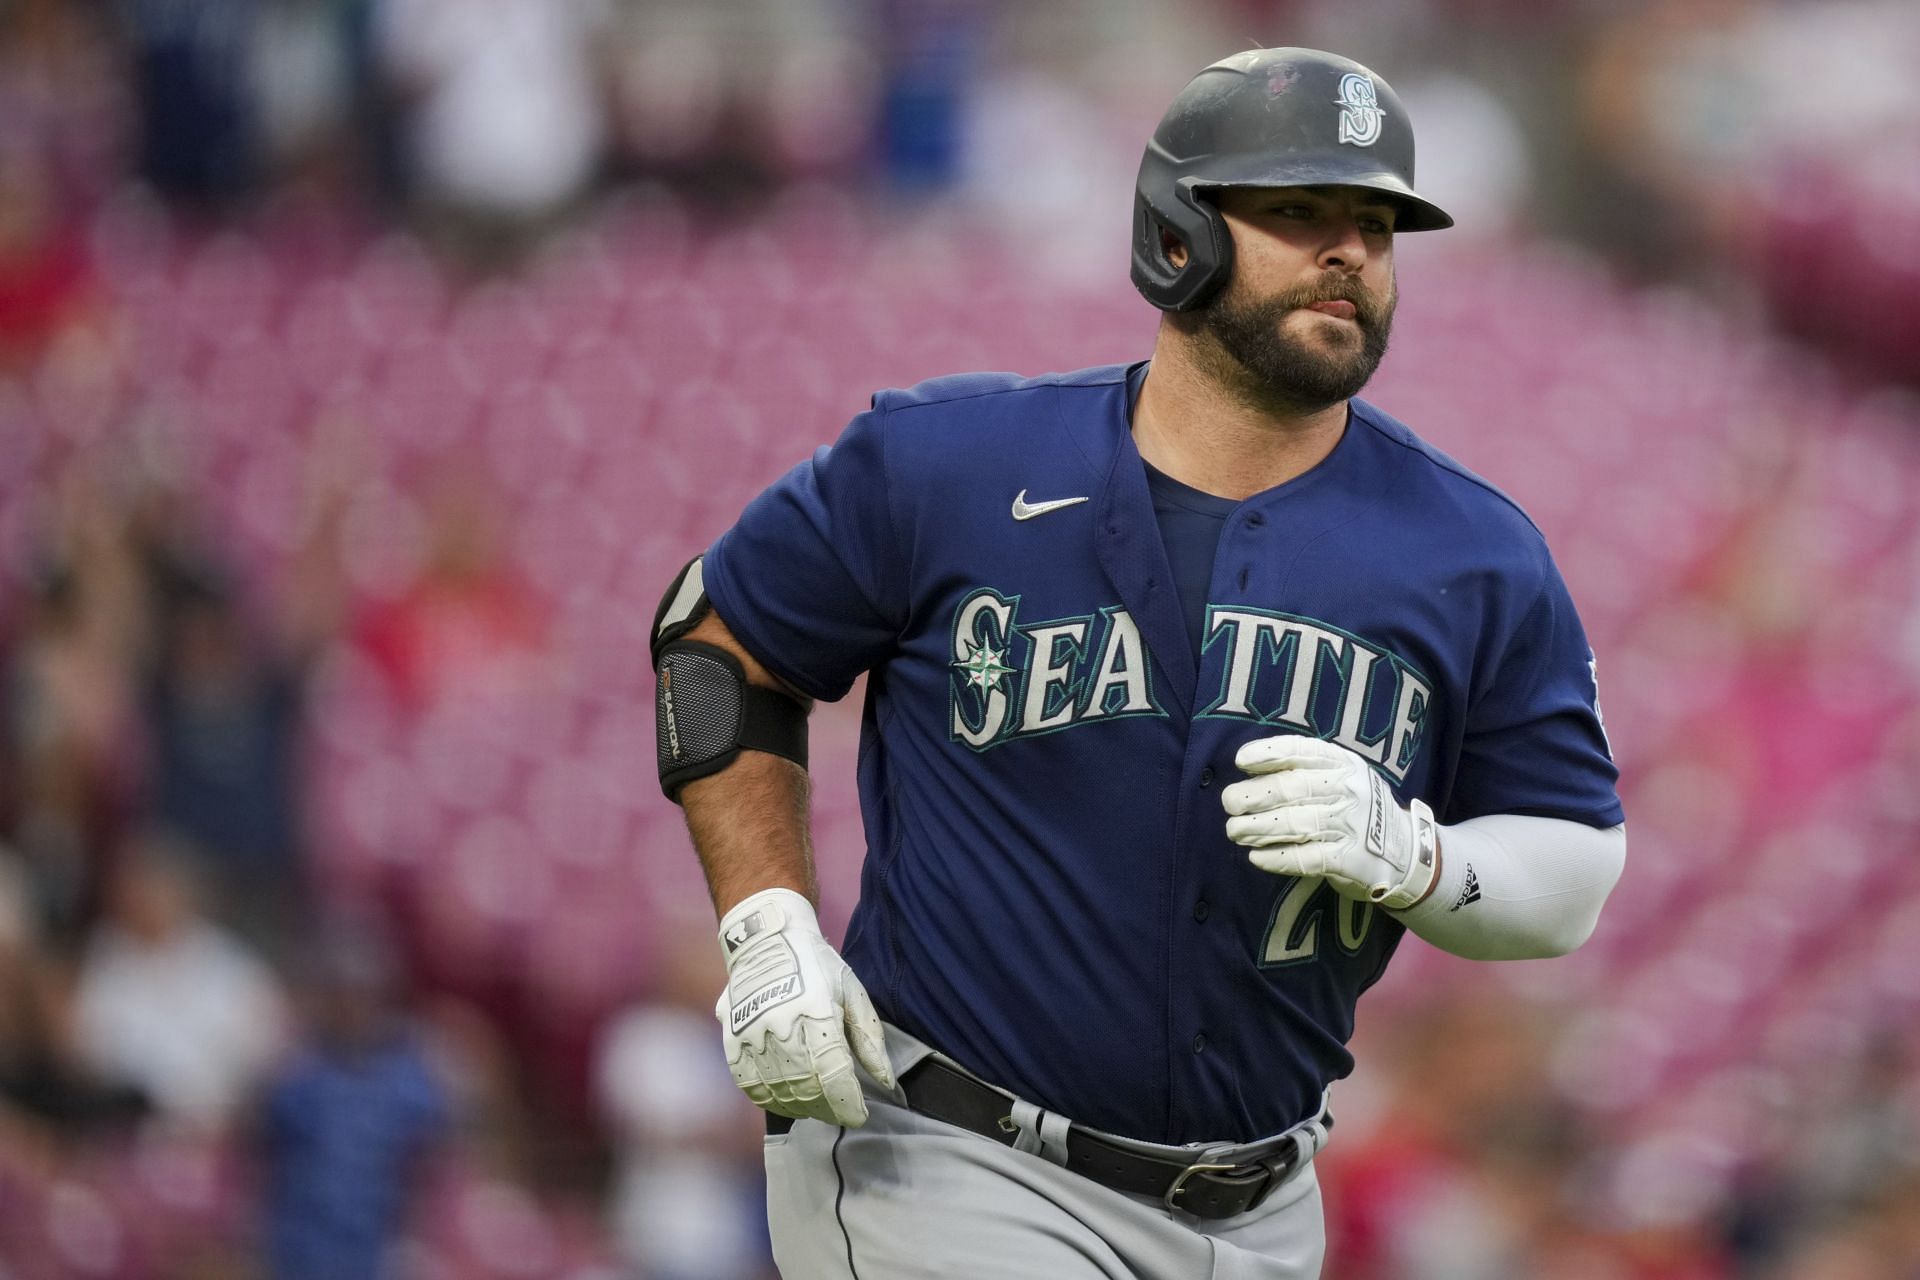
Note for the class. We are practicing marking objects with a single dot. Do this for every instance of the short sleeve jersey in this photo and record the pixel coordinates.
(1049, 895)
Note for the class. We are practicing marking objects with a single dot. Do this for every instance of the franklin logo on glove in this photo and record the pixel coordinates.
(774, 993)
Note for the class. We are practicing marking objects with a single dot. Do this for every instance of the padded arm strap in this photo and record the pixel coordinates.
(707, 714)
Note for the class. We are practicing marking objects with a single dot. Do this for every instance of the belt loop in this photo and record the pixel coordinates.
(1025, 1119)
(1053, 1137)
(1039, 1132)
(1304, 1147)
(1309, 1138)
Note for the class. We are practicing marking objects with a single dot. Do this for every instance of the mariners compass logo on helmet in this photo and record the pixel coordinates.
(1360, 115)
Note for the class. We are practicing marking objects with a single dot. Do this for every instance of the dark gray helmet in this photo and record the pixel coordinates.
(1264, 118)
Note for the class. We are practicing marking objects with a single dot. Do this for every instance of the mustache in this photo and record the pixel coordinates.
(1369, 308)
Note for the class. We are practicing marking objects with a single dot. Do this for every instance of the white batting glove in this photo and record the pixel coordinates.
(793, 1015)
(1312, 808)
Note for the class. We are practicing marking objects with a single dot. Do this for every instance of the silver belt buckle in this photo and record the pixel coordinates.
(1202, 1165)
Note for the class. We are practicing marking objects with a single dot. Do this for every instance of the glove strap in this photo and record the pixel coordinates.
(1423, 866)
(1426, 842)
(768, 911)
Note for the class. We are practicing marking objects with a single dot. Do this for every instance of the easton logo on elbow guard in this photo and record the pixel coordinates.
(771, 996)
(673, 720)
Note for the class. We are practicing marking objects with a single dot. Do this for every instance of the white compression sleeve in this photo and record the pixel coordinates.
(1518, 888)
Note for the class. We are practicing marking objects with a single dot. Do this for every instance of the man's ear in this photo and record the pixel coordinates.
(1174, 247)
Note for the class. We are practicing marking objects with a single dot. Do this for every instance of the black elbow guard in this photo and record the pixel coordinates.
(705, 711)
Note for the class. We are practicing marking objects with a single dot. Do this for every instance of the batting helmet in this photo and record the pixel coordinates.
(1264, 118)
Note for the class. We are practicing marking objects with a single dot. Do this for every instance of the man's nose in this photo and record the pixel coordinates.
(1344, 248)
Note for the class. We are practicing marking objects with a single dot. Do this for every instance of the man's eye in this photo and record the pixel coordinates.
(1294, 210)
(1376, 226)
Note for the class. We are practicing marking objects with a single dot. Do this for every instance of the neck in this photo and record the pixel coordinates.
(1205, 431)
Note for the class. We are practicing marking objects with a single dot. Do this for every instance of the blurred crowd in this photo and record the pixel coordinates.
(172, 973)
(1761, 150)
(367, 365)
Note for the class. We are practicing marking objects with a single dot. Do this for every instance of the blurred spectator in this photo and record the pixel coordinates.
(192, 65)
(932, 50)
(46, 280)
(1814, 1201)
(61, 94)
(168, 1002)
(467, 626)
(323, 108)
(63, 723)
(724, 97)
(1869, 1140)
(1473, 155)
(224, 719)
(687, 1200)
(376, 130)
(1666, 112)
(43, 1088)
(114, 566)
(505, 109)
(1766, 149)
(349, 1120)
(71, 721)
(1468, 1167)
(495, 1128)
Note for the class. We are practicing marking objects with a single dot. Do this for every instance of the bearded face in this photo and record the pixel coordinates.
(1284, 352)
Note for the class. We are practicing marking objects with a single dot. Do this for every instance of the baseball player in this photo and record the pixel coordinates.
(1193, 684)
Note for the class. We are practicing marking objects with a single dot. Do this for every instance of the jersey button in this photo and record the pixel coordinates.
(1200, 1042)
(1255, 520)
(1201, 911)
(1206, 777)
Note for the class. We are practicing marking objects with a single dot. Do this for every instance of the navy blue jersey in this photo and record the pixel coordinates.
(1190, 523)
(1049, 895)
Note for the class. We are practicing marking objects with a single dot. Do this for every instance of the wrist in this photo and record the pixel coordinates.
(1418, 867)
(1439, 865)
(1425, 859)
(1450, 872)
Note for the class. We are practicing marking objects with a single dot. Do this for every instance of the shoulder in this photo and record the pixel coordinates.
(984, 394)
(1480, 510)
(1048, 427)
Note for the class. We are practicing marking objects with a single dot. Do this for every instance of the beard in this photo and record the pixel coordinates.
(1279, 369)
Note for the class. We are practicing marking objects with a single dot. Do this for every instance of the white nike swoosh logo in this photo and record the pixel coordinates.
(1024, 510)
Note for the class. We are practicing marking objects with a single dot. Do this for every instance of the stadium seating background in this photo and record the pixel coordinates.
(328, 403)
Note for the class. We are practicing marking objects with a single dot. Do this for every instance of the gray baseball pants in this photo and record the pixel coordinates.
(906, 1196)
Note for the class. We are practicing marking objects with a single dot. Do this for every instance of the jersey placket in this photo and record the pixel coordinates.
(1198, 1030)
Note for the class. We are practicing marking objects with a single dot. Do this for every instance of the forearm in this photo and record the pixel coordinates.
(1518, 888)
(749, 822)
(749, 826)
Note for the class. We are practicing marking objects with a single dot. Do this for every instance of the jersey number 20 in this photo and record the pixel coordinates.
(1303, 906)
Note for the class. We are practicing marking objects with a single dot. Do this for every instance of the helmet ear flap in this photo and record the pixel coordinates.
(1199, 225)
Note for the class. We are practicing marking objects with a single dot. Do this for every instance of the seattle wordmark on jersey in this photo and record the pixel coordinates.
(1015, 679)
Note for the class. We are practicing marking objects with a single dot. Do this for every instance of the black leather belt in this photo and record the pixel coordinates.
(1196, 1185)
